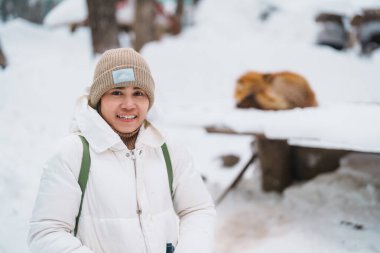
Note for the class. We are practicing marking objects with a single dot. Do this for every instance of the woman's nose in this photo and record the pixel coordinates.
(128, 103)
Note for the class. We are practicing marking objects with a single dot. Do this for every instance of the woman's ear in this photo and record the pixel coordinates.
(98, 107)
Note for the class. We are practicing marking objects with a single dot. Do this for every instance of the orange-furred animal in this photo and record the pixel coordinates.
(273, 91)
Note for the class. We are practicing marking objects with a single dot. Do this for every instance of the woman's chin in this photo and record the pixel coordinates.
(126, 130)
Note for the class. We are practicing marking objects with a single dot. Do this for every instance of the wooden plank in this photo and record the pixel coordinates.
(226, 130)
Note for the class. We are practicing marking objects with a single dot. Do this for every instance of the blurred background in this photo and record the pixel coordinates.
(278, 101)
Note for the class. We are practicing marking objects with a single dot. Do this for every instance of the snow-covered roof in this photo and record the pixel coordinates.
(67, 12)
(75, 11)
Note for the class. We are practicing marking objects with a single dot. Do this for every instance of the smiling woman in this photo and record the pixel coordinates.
(124, 108)
(124, 204)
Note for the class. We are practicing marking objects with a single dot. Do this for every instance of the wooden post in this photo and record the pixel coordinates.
(275, 162)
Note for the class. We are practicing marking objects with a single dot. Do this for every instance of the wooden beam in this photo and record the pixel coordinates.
(237, 179)
(226, 130)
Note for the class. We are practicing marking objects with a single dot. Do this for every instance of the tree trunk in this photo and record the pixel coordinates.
(179, 15)
(179, 9)
(102, 20)
(144, 23)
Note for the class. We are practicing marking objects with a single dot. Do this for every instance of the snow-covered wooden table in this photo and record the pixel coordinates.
(302, 143)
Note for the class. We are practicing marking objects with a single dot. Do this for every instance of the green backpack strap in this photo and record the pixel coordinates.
(168, 166)
(83, 176)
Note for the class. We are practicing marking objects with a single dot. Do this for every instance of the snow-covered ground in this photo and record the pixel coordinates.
(195, 75)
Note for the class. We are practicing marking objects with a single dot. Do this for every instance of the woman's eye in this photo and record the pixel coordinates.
(139, 93)
(116, 93)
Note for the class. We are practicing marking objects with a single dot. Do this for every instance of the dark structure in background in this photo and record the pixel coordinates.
(339, 33)
(3, 60)
(332, 32)
(366, 27)
(102, 21)
(33, 11)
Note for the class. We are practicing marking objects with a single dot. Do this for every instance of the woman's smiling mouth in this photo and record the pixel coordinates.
(128, 117)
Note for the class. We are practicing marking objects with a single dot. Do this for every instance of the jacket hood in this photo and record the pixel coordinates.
(100, 135)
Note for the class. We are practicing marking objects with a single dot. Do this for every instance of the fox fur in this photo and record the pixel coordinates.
(273, 91)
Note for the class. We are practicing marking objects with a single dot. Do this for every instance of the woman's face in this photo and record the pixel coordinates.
(124, 108)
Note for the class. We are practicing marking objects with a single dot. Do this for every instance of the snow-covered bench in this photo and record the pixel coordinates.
(302, 143)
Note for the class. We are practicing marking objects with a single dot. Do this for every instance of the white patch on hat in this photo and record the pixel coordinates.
(123, 75)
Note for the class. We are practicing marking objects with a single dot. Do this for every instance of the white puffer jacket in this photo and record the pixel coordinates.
(127, 208)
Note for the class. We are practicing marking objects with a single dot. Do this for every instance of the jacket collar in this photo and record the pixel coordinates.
(99, 134)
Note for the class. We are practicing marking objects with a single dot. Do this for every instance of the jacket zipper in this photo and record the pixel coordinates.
(138, 211)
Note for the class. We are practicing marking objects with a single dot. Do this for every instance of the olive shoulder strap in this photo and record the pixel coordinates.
(83, 176)
(169, 168)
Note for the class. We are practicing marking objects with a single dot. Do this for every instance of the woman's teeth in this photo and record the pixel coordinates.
(126, 116)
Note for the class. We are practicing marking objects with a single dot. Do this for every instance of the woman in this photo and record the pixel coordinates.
(127, 204)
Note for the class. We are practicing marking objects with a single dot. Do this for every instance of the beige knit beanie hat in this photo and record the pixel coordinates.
(121, 67)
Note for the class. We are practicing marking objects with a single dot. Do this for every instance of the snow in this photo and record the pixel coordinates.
(195, 75)
(335, 212)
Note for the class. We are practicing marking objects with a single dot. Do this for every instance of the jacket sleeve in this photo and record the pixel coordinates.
(57, 203)
(193, 205)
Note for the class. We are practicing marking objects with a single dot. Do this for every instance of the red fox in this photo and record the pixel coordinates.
(273, 91)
